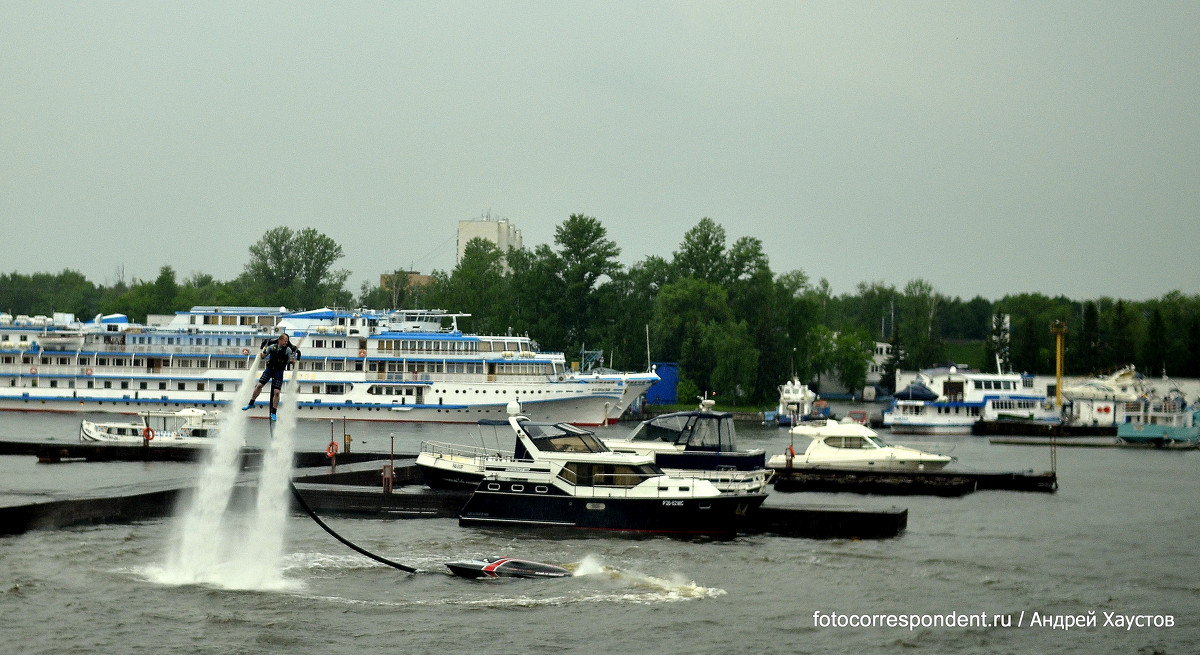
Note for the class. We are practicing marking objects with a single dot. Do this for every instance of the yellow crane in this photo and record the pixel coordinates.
(1059, 330)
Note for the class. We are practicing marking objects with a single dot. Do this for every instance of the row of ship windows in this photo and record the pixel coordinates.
(309, 365)
(192, 341)
(1014, 404)
(916, 410)
(333, 388)
(1003, 384)
(438, 345)
(180, 362)
(970, 411)
(125, 384)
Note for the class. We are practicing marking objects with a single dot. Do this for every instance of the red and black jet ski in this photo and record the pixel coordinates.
(506, 567)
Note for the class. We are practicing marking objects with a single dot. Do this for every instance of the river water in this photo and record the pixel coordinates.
(1118, 539)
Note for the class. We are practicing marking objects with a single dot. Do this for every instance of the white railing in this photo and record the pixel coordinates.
(476, 453)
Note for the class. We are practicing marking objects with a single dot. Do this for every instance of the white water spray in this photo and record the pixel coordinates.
(198, 545)
(260, 562)
(207, 547)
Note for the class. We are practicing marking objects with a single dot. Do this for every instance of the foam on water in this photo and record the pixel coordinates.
(208, 545)
(260, 562)
(199, 543)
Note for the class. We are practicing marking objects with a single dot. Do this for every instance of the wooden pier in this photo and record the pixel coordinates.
(1091, 442)
(354, 488)
(1040, 429)
(909, 483)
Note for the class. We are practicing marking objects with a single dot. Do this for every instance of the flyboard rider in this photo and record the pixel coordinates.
(279, 353)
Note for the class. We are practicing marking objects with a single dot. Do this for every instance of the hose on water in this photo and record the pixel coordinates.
(357, 549)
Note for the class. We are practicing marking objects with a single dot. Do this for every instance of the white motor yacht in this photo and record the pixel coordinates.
(852, 445)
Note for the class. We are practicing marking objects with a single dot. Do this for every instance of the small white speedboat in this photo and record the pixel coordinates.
(190, 427)
(851, 445)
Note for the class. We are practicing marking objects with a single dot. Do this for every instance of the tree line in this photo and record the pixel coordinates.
(736, 328)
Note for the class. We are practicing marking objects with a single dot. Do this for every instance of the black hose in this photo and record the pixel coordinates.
(361, 551)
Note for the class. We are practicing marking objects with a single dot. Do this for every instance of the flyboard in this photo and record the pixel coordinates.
(505, 567)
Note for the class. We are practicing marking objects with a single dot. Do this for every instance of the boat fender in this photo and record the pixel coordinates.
(331, 450)
(148, 434)
(791, 451)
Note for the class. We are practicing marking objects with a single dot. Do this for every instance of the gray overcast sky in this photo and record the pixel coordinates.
(986, 147)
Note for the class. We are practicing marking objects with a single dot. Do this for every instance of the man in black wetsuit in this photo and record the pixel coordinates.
(279, 353)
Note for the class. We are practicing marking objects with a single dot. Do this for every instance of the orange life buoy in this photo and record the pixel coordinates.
(331, 450)
(33, 370)
(362, 353)
(87, 371)
(148, 434)
(245, 351)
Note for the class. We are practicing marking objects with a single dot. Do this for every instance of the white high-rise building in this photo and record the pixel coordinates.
(497, 230)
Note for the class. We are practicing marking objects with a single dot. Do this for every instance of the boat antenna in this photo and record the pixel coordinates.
(649, 366)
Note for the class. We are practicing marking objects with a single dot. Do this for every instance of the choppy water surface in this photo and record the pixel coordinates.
(1119, 537)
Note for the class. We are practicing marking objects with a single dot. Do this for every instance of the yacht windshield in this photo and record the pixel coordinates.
(663, 428)
(853, 442)
(695, 431)
(563, 438)
(712, 433)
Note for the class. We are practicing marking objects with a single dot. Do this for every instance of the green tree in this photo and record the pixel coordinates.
(1122, 335)
(918, 325)
(587, 256)
(477, 286)
(1154, 351)
(535, 290)
(852, 355)
(393, 291)
(702, 253)
(823, 354)
(294, 269)
(1088, 342)
(734, 360)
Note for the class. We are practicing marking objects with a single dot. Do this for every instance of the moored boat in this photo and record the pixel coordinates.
(965, 398)
(192, 427)
(371, 365)
(851, 445)
(698, 444)
(1163, 422)
(558, 477)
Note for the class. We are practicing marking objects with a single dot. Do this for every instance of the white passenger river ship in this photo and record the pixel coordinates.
(374, 365)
